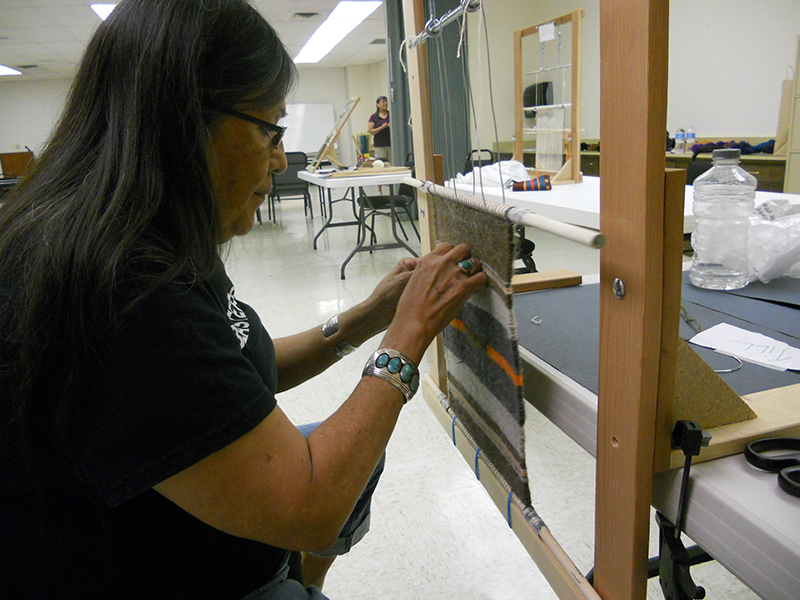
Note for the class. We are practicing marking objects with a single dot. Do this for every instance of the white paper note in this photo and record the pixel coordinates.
(547, 32)
(749, 346)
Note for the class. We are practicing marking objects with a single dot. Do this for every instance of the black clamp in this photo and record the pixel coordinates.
(675, 559)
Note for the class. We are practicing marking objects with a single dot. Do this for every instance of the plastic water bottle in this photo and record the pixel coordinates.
(680, 141)
(691, 139)
(723, 200)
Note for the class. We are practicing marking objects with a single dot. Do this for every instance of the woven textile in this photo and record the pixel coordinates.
(484, 377)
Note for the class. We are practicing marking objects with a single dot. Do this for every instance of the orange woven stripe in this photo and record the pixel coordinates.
(459, 324)
(498, 358)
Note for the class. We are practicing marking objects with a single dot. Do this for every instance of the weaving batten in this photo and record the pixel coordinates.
(532, 519)
(514, 214)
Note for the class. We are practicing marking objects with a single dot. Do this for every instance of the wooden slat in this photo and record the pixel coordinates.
(438, 169)
(544, 280)
(577, 45)
(674, 188)
(369, 172)
(518, 113)
(778, 413)
(633, 82)
(16, 164)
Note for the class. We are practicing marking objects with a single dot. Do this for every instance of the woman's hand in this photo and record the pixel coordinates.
(384, 298)
(435, 292)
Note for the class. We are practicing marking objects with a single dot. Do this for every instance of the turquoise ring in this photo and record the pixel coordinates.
(469, 265)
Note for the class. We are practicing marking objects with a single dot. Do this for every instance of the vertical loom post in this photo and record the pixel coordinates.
(420, 96)
(633, 82)
(518, 112)
(575, 120)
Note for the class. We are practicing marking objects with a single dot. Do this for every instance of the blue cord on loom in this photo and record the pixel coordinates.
(477, 452)
(477, 475)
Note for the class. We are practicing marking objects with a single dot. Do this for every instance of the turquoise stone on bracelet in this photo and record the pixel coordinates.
(395, 365)
(407, 373)
(396, 368)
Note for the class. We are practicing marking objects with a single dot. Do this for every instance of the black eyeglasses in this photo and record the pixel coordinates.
(276, 129)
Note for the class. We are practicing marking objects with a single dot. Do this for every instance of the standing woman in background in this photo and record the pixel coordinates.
(379, 128)
(142, 450)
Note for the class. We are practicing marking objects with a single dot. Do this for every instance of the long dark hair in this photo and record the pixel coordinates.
(120, 201)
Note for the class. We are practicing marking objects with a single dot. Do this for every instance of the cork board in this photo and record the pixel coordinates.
(702, 396)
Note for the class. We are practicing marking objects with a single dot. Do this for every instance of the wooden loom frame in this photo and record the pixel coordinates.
(642, 219)
(571, 170)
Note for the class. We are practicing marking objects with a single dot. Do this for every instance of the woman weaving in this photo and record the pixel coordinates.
(142, 452)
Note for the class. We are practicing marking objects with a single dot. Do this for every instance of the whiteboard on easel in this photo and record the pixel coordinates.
(307, 127)
(327, 145)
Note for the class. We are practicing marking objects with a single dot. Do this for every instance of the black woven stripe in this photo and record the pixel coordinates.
(517, 480)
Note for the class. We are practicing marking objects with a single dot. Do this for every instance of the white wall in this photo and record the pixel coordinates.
(337, 86)
(368, 82)
(727, 61)
(29, 112)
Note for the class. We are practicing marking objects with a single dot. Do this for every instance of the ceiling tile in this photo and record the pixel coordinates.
(54, 33)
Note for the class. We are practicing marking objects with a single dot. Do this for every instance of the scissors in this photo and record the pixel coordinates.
(778, 455)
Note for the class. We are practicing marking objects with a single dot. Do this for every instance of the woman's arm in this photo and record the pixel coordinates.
(275, 486)
(372, 130)
(300, 357)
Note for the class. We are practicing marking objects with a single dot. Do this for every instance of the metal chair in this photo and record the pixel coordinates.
(287, 184)
(478, 158)
(370, 207)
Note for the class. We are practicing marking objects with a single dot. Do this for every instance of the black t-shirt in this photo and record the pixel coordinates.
(187, 372)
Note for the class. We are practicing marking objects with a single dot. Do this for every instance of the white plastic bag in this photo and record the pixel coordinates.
(512, 170)
(774, 246)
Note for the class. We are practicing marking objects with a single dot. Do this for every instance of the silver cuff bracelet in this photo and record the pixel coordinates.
(396, 368)
(331, 327)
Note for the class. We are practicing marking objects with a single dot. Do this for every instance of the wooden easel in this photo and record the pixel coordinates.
(327, 145)
(641, 206)
(571, 171)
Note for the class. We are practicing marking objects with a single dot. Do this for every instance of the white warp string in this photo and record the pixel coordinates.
(514, 214)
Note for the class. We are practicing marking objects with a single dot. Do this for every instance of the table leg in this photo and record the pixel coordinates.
(328, 218)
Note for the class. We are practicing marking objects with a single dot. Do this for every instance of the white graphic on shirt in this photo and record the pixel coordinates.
(239, 323)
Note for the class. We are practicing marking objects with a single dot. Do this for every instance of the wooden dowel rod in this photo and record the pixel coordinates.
(581, 235)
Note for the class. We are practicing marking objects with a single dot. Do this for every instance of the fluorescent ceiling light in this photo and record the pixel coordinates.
(344, 18)
(8, 71)
(103, 10)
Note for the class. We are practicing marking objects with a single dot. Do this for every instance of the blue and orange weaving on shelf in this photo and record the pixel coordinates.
(484, 377)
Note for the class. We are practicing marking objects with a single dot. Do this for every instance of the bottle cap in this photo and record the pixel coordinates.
(726, 153)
